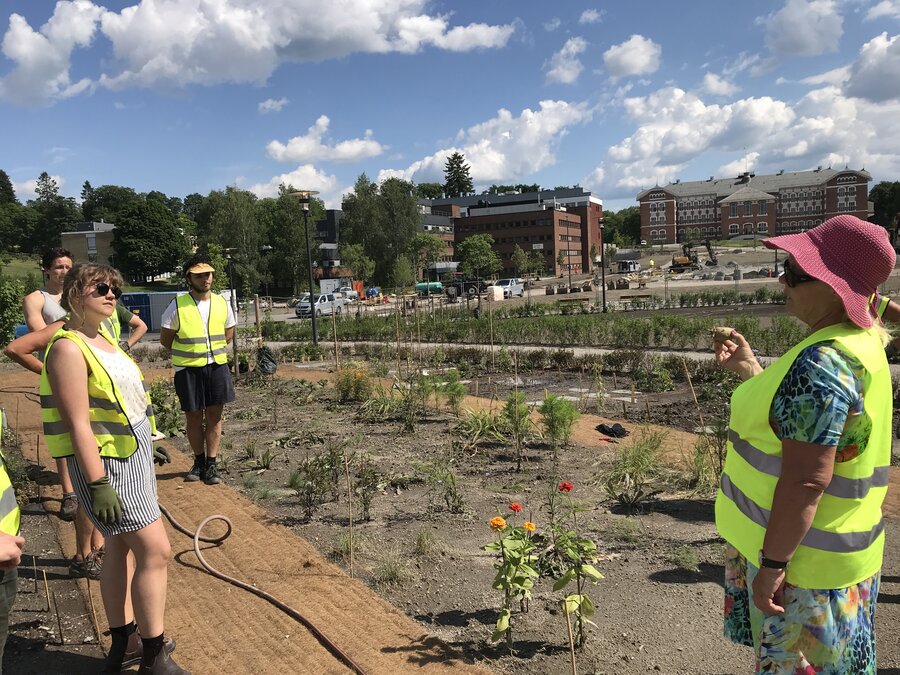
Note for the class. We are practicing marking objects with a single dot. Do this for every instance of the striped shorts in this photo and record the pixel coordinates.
(134, 480)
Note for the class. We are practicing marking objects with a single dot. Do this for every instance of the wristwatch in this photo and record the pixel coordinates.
(124, 346)
(771, 564)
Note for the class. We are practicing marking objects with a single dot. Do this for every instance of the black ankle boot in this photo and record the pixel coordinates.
(122, 638)
(157, 659)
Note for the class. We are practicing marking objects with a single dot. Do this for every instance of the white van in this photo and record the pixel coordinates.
(325, 304)
(511, 287)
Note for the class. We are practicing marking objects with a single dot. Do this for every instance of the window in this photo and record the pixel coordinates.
(733, 228)
(761, 207)
(762, 227)
(748, 208)
(734, 210)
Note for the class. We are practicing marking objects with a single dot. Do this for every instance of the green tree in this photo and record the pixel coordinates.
(220, 264)
(886, 198)
(11, 292)
(457, 181)
(402, 274)
(477, 258)
(631, 224)
(560, 261)
(192, 205)
(520, 261)
(7, 192)
(430, 190)
(426, 249)
(147, 241)
(361, 266)
(56, 214)
(286, 234)
(235, 225)
(537, 264)
(107, 202)
(595, 251)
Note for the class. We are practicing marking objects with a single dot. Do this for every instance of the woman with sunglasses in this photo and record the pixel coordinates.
(805, 474)
(95, 409)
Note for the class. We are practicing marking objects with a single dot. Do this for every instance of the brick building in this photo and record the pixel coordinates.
(765, 205)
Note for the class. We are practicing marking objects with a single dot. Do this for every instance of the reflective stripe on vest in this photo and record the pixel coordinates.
(112, 326)
(109, 423)
(10, 515)
(189, 347)
(845, 543)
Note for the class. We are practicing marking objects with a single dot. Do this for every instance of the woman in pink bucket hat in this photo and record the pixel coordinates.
(806, 471)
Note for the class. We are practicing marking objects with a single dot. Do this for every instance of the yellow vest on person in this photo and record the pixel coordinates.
(189, 345)
(112, 326)
(845, 543)
(115, 436)
(10, 515)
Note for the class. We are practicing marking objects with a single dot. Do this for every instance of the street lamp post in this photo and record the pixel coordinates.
(569, 265)
(304, 197)
(603, 265)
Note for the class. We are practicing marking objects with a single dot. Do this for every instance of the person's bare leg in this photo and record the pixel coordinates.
(62, 471)
(213, 429)
(115, 582)
(194, 430)
(152, 551)
(84, 533)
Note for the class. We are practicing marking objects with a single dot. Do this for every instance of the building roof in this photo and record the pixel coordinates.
(535, 198)
(770, 183)
(747, 194)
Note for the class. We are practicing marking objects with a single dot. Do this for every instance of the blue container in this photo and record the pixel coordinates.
(21, 329)
(139, 303)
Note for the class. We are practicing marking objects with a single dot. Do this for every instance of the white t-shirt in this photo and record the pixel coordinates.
(123, 371)
(170, 320)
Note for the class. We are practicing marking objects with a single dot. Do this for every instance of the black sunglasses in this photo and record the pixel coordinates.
(792, 277)
(104, 288)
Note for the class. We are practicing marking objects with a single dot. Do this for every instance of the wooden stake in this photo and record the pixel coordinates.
(34, 573)
(47, 589)
(37, 447)
(93, 611)
(624, 412)
(647, 402)
(258, 327)
(62, 640)
(18, 436)
(571, 640)
(397, 303)
(337, 361)
(491, 328)
(615, 381)
(349, 509)
(632, 394)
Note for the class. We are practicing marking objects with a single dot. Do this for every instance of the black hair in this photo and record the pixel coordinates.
(195, 259)
(52, 254)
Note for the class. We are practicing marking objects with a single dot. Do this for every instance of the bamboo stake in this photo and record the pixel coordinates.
(615, 381)
(624, 412)
(349, 509)
(571, 640)
(632, 394)
(491, 328)
(337, 362)
(647, 402)
(47, 589)
(93, 611)
(34, 573)
(709, 445)
(62, 640)
(17, 418)
(399, 371)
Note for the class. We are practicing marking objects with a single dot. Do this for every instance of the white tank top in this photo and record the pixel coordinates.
(52, 310)
(126, 376)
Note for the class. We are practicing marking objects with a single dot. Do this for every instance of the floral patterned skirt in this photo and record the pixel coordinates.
(822, 632)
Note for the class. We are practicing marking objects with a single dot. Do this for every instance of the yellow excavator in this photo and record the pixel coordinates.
(690, 261)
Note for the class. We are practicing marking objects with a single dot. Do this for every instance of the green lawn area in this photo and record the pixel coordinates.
(20, 266)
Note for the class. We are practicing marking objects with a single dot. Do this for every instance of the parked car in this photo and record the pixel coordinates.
(350, 295)
(325, 304)
(511, 287)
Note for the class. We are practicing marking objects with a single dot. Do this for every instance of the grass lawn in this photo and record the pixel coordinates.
(20, 266)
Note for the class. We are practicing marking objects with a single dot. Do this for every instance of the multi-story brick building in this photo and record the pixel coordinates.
(566, 221)
(767, 205)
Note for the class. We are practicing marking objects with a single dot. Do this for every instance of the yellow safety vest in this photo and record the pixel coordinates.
(115, 436)
(112, 326)
(845, 543)
(189, 345)
(10, 516)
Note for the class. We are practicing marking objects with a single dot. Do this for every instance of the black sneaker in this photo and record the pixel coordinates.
(198, 470)
(211, 474)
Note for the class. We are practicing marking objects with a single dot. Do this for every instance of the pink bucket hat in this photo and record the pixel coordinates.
(851, 255)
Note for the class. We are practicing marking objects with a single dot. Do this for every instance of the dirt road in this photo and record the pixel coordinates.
(222, 629)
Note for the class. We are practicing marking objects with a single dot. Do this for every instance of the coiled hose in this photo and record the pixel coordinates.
(293, 613)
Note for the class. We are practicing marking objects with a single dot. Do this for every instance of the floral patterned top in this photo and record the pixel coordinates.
(829, 632)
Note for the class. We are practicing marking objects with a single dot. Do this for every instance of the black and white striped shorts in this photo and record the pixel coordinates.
(134, 480)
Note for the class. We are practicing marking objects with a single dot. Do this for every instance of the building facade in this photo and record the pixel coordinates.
(91, 242)
(765, 205)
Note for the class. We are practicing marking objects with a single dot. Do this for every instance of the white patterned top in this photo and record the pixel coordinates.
(126, 376)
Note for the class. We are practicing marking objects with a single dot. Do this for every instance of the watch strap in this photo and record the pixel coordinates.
(772, 564)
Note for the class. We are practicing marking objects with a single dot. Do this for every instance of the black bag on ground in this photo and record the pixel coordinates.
(615, 430)
(266, 362)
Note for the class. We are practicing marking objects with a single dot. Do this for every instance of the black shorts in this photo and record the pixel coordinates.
(204, 386)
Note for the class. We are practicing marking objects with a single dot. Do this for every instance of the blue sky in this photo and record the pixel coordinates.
(189, 96)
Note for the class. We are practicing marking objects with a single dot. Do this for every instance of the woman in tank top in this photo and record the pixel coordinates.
(118, 492)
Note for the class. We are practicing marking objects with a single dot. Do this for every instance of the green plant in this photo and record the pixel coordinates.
(577, 554)
(558, 417)
(382, 404)
(411, 398)
(441, 482)
(515, 569)
(391, 568)
(353, 383)
(366, 485)
(479, 426)
(311, 483)
(628, 479)
(249, 481)
(250, 449)
(624, 530)
(685, 557)
(341, 545)
(261, 493)
(169, 418)
(266, 458)
(425, 544)
(454, 391)
(517, 423)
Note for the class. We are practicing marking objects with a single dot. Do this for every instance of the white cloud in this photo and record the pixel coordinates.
(636, 56)
(885, 8)
(675, 130)
(165, 43)
(271, 105)
(504, 147)
(718, 85)
(804, 28)
(552, 24)
(41, 71)
(564, 65)
(834, 76)
(304, 177)
(592, 16)
(745, 163)
(875, 75)
(311, 148)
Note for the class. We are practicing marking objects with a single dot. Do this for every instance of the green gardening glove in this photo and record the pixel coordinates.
(105, 504)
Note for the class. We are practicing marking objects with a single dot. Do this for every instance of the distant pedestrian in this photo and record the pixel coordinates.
(197, 328)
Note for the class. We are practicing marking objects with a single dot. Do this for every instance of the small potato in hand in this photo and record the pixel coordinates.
(721, 333)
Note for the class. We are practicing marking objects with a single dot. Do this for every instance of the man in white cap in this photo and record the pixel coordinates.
(197, 327)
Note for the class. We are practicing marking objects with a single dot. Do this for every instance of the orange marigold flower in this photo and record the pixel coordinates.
(529, 526)
(515, 507)
(566, 486)
(498, 523)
